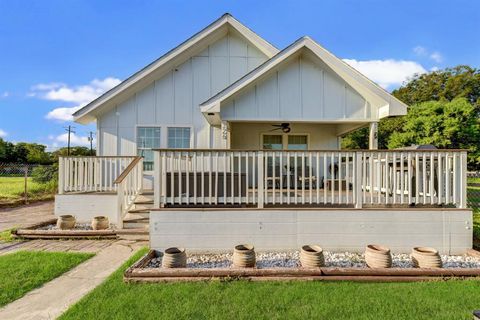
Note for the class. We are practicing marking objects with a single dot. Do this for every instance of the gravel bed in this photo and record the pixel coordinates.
(332, 259)
(78, 226)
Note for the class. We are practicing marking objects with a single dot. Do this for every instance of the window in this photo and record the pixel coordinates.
(272, 142)
(297, 143)
(179, 138)
(285, 142)
(148, 138)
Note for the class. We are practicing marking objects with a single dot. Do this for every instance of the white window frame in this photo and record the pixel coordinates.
(136, 138)
(284, 138)
(192, 135)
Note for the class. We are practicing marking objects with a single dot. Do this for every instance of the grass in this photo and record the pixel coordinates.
(12, 190)
(454, 299)
(22, 271)
(476, 225)
(6, 235)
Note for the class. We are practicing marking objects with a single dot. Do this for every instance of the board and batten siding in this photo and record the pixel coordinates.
(173, 100)
(302, 89)
(448, 230)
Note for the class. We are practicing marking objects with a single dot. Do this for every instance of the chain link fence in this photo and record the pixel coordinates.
(473, 191)
(22, 183)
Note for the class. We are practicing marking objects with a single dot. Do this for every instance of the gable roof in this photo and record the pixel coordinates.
(145, 76)
(386, 103)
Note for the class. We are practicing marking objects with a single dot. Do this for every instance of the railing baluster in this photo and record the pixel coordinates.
(281, 176)
(232, 178)
(386, 180)
(224, 177)
(289, 174)
(340, 200)
(295, 176)
(325, 179)
(432, 178)
(273, 177)
(332, 177)
(216, 178)
(254, 175)
(347, 177)
(317, 177)
(310, 178)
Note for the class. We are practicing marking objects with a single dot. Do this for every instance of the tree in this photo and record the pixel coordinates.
(446, 125)
(74, 151)
(442, 85)
(448, 84)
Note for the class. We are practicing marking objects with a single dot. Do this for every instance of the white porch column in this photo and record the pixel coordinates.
(373, 136)
(225, 127)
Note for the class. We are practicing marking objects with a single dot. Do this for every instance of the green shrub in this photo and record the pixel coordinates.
(44, 174)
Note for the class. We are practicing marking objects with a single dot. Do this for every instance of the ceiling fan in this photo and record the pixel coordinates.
(285, 127)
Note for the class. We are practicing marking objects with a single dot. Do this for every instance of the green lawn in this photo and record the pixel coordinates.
(6, 235)
(277, 300)
(23, 271)
(12, 190)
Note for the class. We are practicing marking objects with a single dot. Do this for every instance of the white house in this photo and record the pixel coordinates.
(227, 139)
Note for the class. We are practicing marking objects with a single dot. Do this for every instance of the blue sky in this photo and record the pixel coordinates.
(56, 55)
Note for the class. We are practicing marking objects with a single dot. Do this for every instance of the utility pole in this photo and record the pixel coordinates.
(90, 138)
(69, 129)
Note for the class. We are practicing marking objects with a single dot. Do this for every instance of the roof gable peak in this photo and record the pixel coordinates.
(143, 77)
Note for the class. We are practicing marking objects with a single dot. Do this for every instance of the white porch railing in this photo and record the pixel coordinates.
(90, 174)
(129, 185)
(122, 176)
(310, 178)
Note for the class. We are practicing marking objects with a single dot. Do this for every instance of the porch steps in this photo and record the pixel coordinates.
(136, 221)
(133, 234)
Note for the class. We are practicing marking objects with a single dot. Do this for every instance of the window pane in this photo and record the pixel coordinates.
(297, 143)
(147, 139)
(178, 138)
(272, 142)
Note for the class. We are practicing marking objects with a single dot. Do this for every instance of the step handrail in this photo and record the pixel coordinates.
(129, 185)
(127, 170)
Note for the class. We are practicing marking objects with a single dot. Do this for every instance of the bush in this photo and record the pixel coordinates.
(44, 174)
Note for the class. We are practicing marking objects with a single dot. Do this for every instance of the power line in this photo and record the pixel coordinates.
(90, 138)
(69, 129)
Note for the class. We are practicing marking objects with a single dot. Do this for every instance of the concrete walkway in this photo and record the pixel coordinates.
(55, 297)
(26, 215)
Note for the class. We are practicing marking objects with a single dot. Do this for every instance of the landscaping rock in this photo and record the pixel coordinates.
(291, 259)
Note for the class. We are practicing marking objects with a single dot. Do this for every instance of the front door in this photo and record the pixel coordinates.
(281, 142)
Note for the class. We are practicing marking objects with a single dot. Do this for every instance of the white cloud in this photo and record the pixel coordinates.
(387, 73)
(3, 133)
(436, 56)
(5, 94)
(79, 95)
(62, 114)
(419, 50)
(424, 52)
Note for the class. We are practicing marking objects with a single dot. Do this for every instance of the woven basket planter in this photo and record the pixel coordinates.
(311, 256)
(377, 256)
(244, 256)
(425, 257)
(100, 223)
(174, 258)
(66, 222)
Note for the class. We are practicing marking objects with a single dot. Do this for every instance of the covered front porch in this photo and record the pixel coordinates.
(310, 178)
